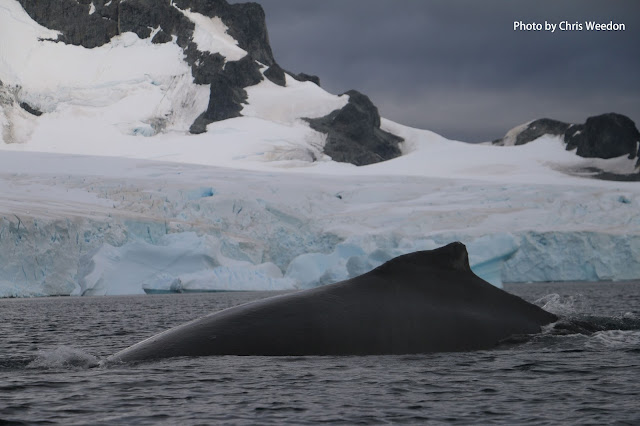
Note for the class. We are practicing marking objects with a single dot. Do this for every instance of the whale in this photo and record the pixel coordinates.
(422, 302)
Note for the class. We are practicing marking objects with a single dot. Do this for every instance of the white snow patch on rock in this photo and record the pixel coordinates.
(210, 35)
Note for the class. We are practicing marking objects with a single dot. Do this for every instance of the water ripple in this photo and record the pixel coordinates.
(586, 376)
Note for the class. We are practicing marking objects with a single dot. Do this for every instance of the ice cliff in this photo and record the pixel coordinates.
(121, 226)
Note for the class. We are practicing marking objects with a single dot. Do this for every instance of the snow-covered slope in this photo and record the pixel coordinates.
(106, 100)
(105, 188)
(604, 137)
(133, 97)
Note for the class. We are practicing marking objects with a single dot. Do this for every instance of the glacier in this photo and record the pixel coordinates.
(103, 190)
(108, 225)
(574, 256)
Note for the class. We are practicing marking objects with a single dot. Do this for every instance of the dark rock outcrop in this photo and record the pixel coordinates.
(161, 37)
(81, 26)
(604, 136)
(537, 128)
(31, 110)
(73, 20)
(307, 77)
(276, 75)
(227, 94)
(225, 101)
(242, 73)
(354, 135)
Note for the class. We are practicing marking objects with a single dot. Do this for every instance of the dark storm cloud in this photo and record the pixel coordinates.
(457, 67)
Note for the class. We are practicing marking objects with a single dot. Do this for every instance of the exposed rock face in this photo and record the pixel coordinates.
(161, 37)
(307, 77)
(93, 23)
(82, 26)
(604, 136)
(354, 135)
(225, 101)
(73, 20)
(31, 110)
(276, 75)
(535, 129)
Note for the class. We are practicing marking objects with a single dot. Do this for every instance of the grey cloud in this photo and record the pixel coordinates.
(483, 115)
(457, 67)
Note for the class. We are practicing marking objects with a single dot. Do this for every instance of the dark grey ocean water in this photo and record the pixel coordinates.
(586, 370)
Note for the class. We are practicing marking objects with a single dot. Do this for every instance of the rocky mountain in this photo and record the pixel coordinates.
(603, 136)
(226, 47)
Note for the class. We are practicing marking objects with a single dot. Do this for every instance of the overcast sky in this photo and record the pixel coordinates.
(457, 67)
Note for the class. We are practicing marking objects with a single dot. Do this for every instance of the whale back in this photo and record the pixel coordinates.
(427, 301)
(453, 256)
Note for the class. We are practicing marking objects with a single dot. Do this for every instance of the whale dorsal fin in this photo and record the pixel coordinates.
(452, 256)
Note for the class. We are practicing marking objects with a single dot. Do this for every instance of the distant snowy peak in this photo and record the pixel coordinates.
(606, 136)
(150, 66)
(531, 131)
(93, 23)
